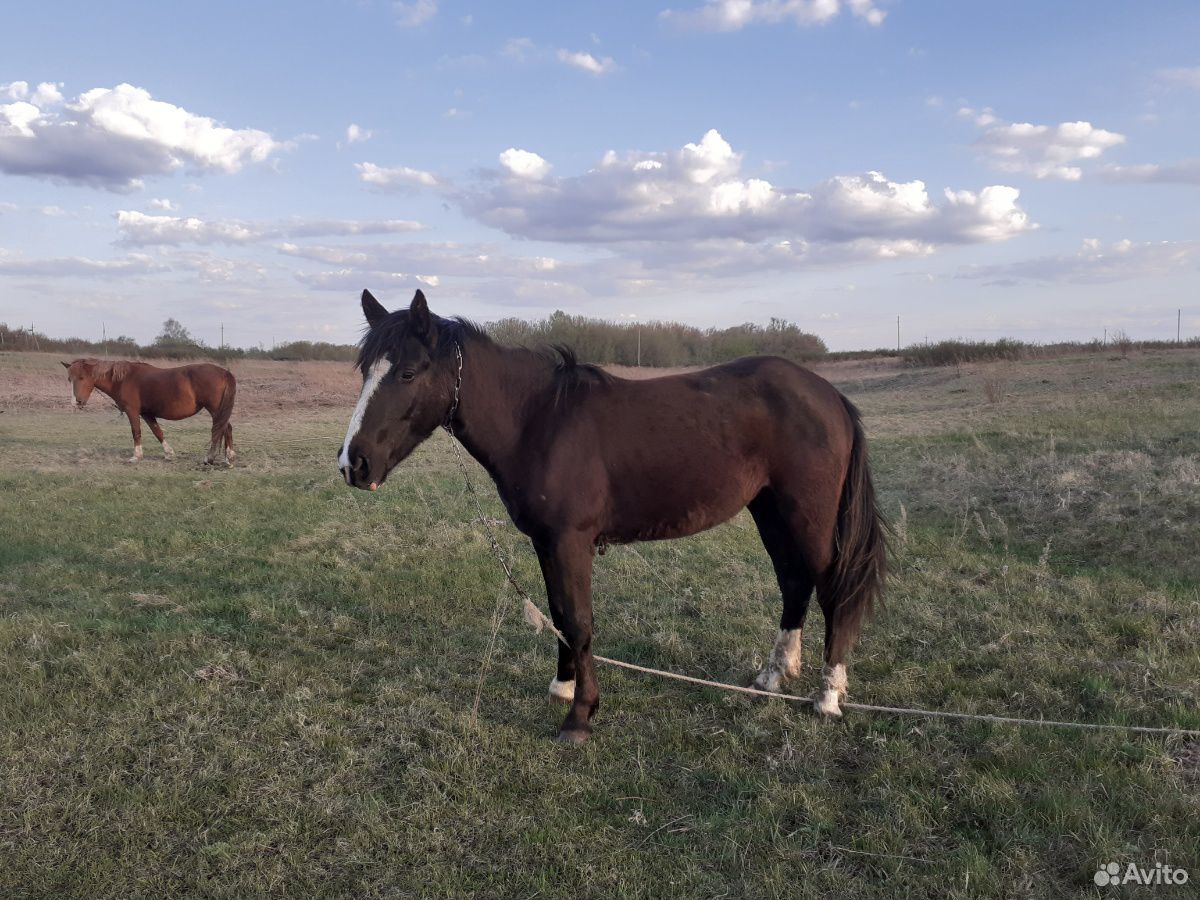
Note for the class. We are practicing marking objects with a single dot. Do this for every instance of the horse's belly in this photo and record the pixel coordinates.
(654, 516)
(174, 410)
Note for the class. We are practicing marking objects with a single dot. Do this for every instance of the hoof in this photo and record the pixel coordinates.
(562, 691)
(827, 705)
(768, 681)
(134, 459)
(573, 737)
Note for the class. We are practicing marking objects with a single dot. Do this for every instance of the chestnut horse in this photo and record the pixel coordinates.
(143, 391)
(583, 459)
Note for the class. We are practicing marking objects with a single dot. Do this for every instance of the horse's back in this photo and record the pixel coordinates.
(753, 393)
(677, 454)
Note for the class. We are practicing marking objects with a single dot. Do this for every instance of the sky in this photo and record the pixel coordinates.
(977, 169)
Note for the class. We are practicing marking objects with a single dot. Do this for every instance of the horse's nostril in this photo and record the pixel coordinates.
(361, 465)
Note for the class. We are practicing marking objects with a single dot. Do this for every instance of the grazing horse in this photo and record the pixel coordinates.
(143, 391)
(583, 459)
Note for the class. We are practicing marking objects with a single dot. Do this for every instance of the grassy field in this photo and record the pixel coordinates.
(256, 682)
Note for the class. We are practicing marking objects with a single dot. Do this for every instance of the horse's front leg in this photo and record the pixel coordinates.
(135, 425)
(567, 568)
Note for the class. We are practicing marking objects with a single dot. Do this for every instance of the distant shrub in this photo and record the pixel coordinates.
(1122, 342)
(957, 352)
(306, 350)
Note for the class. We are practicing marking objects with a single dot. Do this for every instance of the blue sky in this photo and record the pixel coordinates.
(979, 169)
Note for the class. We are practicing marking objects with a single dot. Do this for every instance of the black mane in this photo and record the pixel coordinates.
(568, 371)
(569, 368)
(377, 341)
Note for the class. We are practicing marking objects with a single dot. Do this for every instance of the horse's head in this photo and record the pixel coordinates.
(409, 367)
(82, 375)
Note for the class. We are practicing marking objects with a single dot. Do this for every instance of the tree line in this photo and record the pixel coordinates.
(657, 344)
(594, 340)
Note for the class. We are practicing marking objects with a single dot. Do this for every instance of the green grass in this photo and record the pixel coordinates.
(255, 682)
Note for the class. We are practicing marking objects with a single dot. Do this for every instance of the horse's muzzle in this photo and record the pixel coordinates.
(357, 470)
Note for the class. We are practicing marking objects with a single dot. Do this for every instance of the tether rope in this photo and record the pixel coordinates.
(538, 620)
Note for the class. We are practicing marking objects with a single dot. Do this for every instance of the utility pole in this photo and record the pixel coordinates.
(897, 334)
(222, 335)
(104, 335)
(1178, 323)
(639, 345)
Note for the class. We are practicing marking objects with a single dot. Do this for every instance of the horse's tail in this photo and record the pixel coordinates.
(861, 551)
(224, 408)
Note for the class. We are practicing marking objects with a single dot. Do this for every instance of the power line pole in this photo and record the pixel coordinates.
(897, 334)
(1178, 323)
(222, 335)
(639, 345)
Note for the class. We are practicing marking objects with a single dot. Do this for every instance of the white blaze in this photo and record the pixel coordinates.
(376, 375)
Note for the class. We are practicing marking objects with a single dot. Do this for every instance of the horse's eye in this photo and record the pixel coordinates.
(408, 375)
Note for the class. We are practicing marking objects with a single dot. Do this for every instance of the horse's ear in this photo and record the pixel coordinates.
(418, 315)
(65, 365)
(373, 309)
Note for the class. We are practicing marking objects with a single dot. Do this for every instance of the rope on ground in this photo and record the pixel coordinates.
(538, 620)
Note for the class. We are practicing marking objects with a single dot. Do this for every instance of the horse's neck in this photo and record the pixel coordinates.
(499, 387)
(106, 383)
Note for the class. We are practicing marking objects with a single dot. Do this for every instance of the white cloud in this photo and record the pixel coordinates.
(357, 135)
(113, 137)
(518, 49)
(428, 263)
(81, 266)
(1043, 151)
(45, 94)
(140, 229)
(733, 15)
(588, 63)
(398, 178)
(698, 193)
(1185, 172)
(1095, 263)
(161, 203)
(524, 164)
(412, 13)
(1182, 77)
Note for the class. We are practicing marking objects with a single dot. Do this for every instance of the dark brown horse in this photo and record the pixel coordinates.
(583, 459)
(143, 391)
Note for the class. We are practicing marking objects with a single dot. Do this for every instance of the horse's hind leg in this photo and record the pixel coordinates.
(214, 445)
(837, 647)
(168, 453)
(230, 454)
(795, 584)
